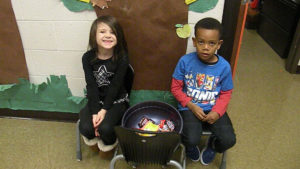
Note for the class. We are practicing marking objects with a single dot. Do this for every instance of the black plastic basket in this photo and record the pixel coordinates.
(154, 110)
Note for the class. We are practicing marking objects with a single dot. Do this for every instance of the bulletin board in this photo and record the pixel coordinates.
(154, 47)
(14, 66)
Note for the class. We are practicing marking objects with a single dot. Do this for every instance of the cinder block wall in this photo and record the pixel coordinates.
(194, 17)
(55, 38)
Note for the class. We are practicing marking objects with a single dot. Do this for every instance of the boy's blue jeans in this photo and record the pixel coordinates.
(222, 129)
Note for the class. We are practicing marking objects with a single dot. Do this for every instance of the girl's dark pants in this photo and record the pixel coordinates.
(106, 128)
(222, 129)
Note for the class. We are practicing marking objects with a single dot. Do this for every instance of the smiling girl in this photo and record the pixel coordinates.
(105, 66)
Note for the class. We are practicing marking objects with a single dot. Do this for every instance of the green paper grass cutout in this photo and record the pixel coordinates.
(138, 96)
(184, 32)
(77, 6)
(51, 96)
(202, 6)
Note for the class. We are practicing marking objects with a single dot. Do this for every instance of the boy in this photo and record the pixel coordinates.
(202, 84)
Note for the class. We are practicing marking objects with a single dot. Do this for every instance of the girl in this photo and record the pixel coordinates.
(105, 66)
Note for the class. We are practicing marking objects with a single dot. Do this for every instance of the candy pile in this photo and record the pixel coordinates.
(148, 124)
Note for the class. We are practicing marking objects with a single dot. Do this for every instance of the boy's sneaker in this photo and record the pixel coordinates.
(193, 153)
(208, 153)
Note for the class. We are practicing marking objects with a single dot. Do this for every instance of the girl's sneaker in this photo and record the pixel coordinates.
(208, 153)
(105, 148)
(90, 142)
(193, 153)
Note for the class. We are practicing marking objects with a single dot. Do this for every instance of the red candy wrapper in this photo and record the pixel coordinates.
(166, 126)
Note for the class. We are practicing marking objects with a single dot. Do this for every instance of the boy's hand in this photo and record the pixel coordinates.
(197, 111)
(211, 117)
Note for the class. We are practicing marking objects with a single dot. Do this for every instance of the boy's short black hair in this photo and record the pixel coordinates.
(209, 23)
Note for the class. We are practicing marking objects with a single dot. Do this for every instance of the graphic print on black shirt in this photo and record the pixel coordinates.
(102, 76)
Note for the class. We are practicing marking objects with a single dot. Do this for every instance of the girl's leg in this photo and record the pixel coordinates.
(223, 131)
(192, 129)
(86, 125)
(112, 118)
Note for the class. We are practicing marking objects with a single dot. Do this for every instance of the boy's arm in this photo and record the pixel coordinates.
(184, 100)
(219, 108)
(222, 102)
(176, 90)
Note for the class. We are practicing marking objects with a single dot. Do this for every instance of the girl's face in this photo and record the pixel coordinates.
(106, 39)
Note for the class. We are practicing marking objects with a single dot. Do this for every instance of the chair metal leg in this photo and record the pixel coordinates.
(175, 163)
(182, 156)
(113, 161)
(223, 162)
(78, 142)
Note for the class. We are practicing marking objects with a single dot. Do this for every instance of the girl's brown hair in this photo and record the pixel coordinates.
(120, 50)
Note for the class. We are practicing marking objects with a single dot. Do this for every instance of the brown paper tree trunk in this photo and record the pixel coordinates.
(12, 58)
(154, 47)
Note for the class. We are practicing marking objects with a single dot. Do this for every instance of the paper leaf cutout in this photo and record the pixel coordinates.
(86, 1)
(189, 1)
(77, 6)
(179, 26)
(100, 3)
(184, 32)
(202, 6)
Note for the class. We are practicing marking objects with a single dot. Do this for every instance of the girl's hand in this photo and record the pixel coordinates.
(198, 111)
(96, 132)
(94, 120)
(212, 117)
(100, 116)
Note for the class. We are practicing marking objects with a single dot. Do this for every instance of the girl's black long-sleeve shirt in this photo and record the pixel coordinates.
(104, 81)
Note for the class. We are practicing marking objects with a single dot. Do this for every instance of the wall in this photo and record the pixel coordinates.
(55, 38)
(194, 17)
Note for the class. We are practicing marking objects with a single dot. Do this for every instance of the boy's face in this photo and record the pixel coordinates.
(206, 42)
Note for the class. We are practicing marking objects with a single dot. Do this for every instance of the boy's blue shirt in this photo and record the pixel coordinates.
(203, 82)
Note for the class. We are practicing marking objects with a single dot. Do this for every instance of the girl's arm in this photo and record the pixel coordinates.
(91, 86)
(116, 82)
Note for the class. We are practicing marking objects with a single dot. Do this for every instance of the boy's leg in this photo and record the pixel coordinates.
(224, 134)
(223, 138)
(191, 134)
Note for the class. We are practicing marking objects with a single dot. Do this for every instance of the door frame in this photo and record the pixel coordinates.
(233, 21)
(294, 54)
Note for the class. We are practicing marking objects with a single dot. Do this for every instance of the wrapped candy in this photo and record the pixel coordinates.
(149, 125)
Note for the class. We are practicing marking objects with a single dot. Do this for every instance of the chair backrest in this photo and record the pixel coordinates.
(140, 149)
(129, 79)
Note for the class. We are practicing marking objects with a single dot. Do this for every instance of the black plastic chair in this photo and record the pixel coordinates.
(145, 147)
(154, 148)
(128, 85)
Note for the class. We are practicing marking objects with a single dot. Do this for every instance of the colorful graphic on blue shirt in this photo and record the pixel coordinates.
(200, 88)
(203, 82)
